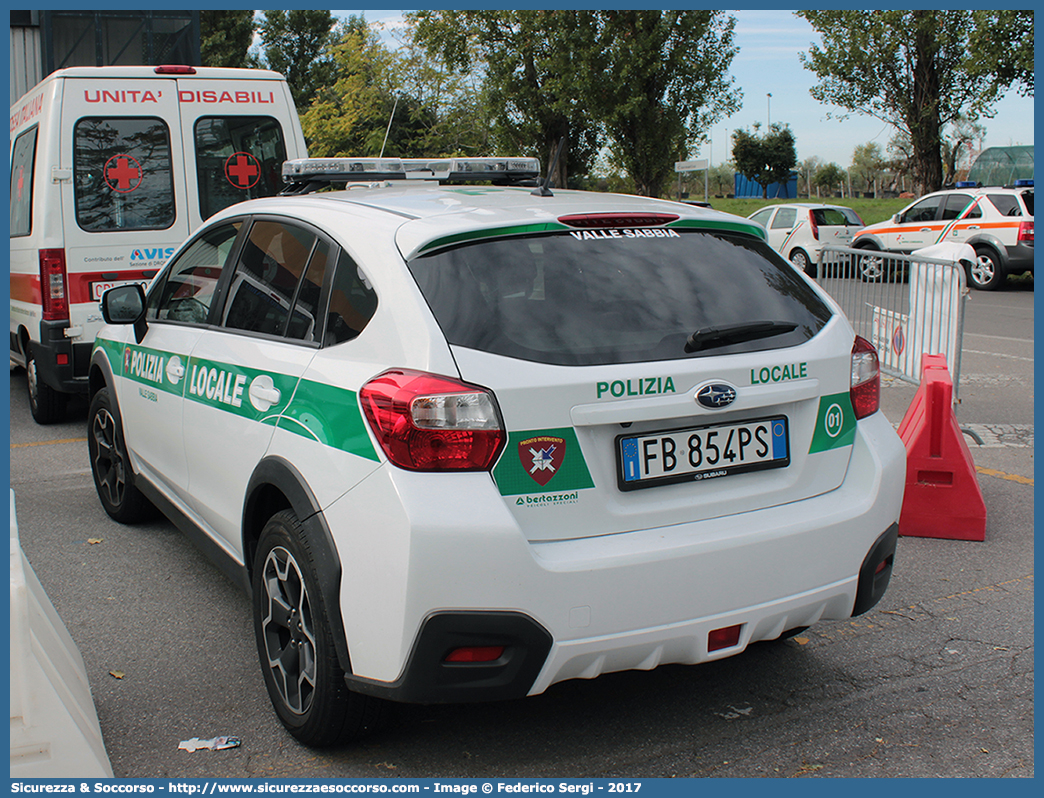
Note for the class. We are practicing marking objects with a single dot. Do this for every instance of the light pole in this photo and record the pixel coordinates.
(768, 111)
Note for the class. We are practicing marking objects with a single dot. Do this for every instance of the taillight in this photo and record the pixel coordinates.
(53, 289)
(865, 391)
(814, 226)
(1025, 232)
(426, 422)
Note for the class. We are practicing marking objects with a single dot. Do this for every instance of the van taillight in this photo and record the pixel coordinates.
(426, 422)
(1025, 232)
(53, 287)
(865, 387)
(174, 69)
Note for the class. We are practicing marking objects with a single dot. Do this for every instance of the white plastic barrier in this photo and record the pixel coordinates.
(54, 727)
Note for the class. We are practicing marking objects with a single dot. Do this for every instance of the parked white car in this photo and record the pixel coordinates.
(798, 231)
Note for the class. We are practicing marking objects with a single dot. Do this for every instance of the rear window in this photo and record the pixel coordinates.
(237, 158)
(1027, 200)
(122, 174)
(577, 299)
(836, 217)
(1008, 204)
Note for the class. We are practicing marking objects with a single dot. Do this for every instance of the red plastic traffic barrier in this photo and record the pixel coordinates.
(942, 499)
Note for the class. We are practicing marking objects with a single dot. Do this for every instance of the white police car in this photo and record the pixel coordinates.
(462, 442)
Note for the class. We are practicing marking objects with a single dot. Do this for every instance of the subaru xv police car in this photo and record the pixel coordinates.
(461, 441)
(996, 222)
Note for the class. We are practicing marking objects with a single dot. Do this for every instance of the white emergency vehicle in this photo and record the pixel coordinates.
(996, 222)
(111, 169)
(463, 440)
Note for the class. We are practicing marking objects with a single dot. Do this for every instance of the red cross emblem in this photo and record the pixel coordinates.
(242, 170)
(122, 173)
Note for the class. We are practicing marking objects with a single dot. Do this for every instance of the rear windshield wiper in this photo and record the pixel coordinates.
(712, 337)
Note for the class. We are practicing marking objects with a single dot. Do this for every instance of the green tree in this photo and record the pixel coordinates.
(829, 176)
(454, 102)
(298, 44)
(1001, 45)
(349, 116)
(722, 178)
(868, 164)
(531, 63)
(960, 134)
(225, 38)
(764, 159)
(807, 170)
(907, 68)
(658, 80)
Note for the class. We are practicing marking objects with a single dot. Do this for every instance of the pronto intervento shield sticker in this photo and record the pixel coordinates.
(541, 461)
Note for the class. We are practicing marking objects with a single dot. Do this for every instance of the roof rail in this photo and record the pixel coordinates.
(304, 175)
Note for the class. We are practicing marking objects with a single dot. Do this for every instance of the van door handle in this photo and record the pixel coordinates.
(970, 227)
(176, 369)
(925, 230)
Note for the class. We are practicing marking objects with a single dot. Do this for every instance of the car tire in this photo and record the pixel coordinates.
(871, 268)
(303, 676)
(987, 273)
(45, 403)
(802, 262)
(110, 466)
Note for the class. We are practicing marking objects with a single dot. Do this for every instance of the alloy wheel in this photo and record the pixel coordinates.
(288, 631)
(108, 460)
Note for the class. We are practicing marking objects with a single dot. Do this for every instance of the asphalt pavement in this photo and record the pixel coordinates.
(936, 680)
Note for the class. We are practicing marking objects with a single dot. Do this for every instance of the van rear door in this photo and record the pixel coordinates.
(121, 175)
(237, 133)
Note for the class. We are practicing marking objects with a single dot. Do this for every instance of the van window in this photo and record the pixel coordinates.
(237, 158)
(23, 157)
(122, 174)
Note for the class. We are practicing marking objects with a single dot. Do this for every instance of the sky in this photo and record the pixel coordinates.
(767, 63)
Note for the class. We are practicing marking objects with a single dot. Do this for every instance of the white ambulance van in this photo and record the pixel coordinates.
(111, 169)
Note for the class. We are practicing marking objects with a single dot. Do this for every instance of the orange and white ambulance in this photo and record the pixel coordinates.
(111, 169)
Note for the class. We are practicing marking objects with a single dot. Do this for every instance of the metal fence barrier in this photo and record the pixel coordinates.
(905, 305)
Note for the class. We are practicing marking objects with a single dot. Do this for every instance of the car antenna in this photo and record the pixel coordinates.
(388, 130)
(543, 190)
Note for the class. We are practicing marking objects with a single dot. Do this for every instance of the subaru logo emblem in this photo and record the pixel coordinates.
(716, 395)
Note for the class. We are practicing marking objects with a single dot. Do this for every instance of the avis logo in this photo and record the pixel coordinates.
(152, 254)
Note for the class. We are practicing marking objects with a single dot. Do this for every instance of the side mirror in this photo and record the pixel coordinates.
(895, 219)
(125, 304)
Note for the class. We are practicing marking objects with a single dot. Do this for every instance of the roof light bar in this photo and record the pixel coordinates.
(322, 171)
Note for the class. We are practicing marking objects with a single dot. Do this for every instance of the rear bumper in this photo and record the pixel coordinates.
(632, 600)
(1020, 259)
(70, 375)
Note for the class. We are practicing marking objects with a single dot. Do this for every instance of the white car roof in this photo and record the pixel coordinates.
(426, 215)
